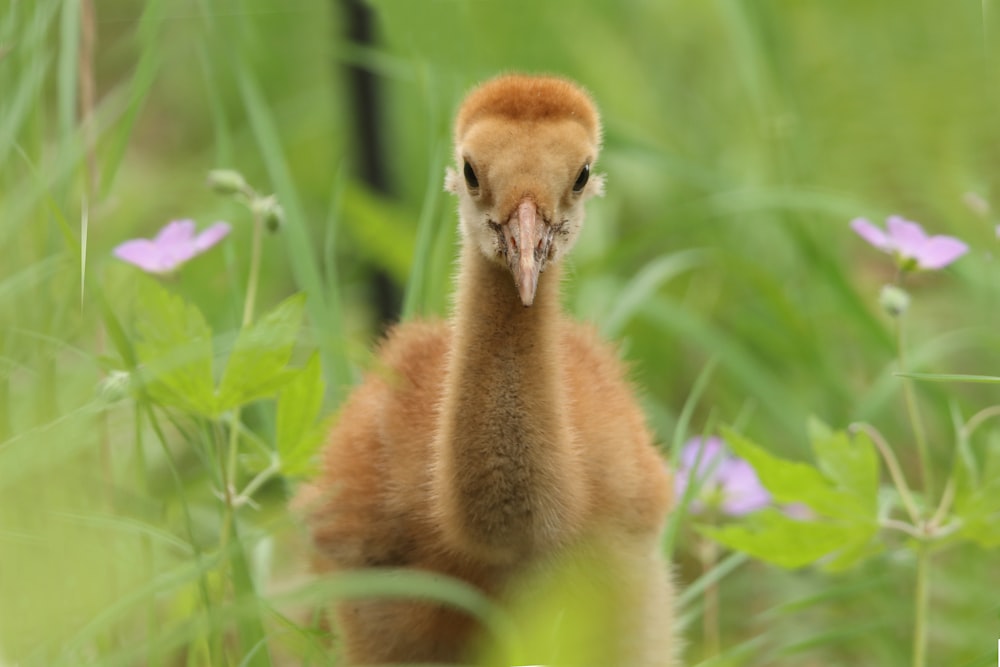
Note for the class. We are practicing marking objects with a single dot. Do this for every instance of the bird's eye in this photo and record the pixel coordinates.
(581, 180)
(470, 176)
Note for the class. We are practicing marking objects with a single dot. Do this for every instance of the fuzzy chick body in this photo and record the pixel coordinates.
(504, 445)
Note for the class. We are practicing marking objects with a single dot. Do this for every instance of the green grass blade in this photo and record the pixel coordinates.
(644, 285)
(22, 102)
(323, 306)
(719, 572)
(142, 83)
(416, 301)
(951, 377)
(69, 47)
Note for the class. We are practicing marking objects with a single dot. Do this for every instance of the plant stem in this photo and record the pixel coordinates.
(916, 423)
(149, 564)
(230, 464)
(921, 605)
(215, 652)
(979, 418)
(254, 278)
(710, 617)
(250, 627)
(258, 482)
(894, 470)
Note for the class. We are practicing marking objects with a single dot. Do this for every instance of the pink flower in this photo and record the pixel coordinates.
(910, 244)
(722, 480)
(175, 244)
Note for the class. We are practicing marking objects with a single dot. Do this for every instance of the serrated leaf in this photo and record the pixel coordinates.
(776, 538)
(298, 434)
(257, 366)
(794, 482)
(174, 350)
(851, 464)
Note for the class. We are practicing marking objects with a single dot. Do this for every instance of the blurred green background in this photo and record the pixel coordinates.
(741, 137)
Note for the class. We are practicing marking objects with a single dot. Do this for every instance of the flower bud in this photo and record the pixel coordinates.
(115, 387)
(270, 212)
(227, 181)
(894, 300)
(977, 204)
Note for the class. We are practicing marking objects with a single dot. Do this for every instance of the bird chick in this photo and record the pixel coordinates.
(503, 447)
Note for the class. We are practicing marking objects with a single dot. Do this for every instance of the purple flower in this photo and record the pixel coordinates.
(722, 480)
(175, 244)
(910, 244)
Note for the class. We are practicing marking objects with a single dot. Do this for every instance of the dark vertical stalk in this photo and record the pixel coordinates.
(369, 146)
(365, 97)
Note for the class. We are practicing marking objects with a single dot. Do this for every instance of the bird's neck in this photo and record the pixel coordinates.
(496, 330)
(505, 459)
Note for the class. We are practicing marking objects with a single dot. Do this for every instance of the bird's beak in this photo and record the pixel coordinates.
(527, 249)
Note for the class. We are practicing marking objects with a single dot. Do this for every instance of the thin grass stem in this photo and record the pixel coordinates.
(215, 652)
(977, 420)
(88, 92)
(711, 631)
(913, 411)
(142, 477)
(894, 470)
(921, 600)
(254, 278)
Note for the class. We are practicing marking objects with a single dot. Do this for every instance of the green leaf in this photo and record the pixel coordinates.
(851, 464)
(861, 548)
(174, 350)
(257, 366)
(776, 538)
(793, 482)
(979, 509)
(299, 435)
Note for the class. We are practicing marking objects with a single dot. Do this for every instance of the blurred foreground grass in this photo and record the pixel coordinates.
(741, 137)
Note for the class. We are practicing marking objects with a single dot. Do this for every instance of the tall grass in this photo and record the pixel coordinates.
(740, 140)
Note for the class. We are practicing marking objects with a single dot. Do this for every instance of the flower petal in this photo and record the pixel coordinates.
(177, 253)
(145, 254)
(940, 251)
(177, 231)
(741, 489)
(211, 236)
(905, 236)
(707, 453)
(871, 233)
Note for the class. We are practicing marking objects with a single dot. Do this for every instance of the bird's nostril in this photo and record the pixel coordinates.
(513, 243)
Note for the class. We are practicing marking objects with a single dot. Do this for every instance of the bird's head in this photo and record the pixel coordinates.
(525, 148)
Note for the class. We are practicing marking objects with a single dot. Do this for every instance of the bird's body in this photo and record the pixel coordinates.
(504, 445)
